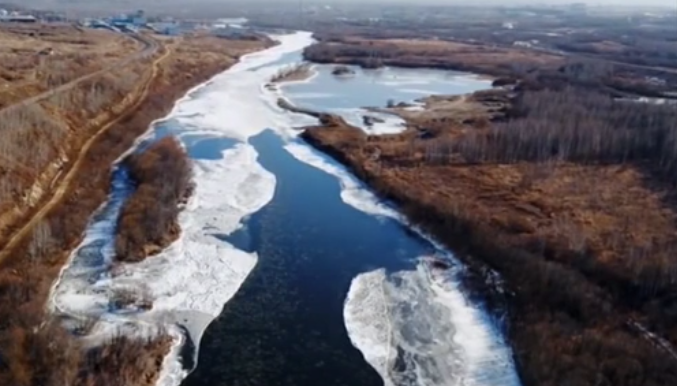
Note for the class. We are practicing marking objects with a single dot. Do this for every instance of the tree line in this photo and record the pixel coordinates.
(578, 125)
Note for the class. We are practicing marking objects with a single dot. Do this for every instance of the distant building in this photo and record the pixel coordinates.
(655, 81)
(138, 18)
(166, 28)
(120, 20)
(11, 18)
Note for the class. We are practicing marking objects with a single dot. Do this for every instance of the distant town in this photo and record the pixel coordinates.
(135, 21)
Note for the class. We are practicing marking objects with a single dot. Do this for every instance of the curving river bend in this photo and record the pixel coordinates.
(289, 271)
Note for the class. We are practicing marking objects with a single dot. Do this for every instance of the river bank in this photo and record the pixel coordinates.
(287, 322)
(505, 216)
(162, 298)
(38, 259)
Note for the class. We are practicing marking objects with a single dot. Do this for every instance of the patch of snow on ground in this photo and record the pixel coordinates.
(391, 124)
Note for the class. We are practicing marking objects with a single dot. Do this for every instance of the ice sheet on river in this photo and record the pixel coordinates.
(190, 281)
(416, 328)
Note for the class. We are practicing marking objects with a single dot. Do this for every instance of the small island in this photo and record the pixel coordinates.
(294, 73)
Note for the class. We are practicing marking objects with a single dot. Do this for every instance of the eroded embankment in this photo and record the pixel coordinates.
(36, 261)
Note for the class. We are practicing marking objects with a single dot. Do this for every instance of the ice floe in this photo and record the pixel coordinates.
(189, 282)
(417, 328)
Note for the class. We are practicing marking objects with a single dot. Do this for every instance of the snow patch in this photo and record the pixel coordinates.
(391, 124)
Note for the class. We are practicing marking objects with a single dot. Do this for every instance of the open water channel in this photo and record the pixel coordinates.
(289, 271)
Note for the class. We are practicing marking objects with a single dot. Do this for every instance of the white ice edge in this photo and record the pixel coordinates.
(353, 192)
(191, 280)
(228, 189)
(484, 358)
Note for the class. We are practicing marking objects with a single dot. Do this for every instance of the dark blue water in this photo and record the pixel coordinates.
(285, 325)
(200, 147)
(207, 148)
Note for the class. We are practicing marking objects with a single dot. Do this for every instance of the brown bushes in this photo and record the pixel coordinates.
(574, 289)
(125, 361)
(28, 354)
(417, 53)
(148, 222)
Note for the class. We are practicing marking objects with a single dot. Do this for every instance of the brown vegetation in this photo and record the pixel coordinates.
(293, 73)
(38, 57)
(568, 195)
(415, 53)
(36, 353)
(641, 65)
(41, 141)
(149, 218)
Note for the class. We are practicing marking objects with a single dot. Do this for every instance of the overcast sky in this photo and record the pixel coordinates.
(638, 3)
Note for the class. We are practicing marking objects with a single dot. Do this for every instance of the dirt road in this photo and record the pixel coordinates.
(63, 185)
(150, 47)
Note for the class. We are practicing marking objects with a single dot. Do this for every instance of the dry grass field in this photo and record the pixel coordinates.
(35, 58)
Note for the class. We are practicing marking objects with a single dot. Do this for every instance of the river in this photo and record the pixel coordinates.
(289, 271)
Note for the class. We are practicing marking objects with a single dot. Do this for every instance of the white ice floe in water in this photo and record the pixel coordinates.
(233, 102)
(416, 328)
(405, 79)
(312, 95)
(190, 281)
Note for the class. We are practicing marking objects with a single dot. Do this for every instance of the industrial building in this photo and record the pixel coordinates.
(15, 17)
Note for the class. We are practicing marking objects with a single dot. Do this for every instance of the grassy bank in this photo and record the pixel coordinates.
(581, 233)
(36, 353)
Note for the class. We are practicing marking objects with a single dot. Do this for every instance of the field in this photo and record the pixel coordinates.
(37, 57)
